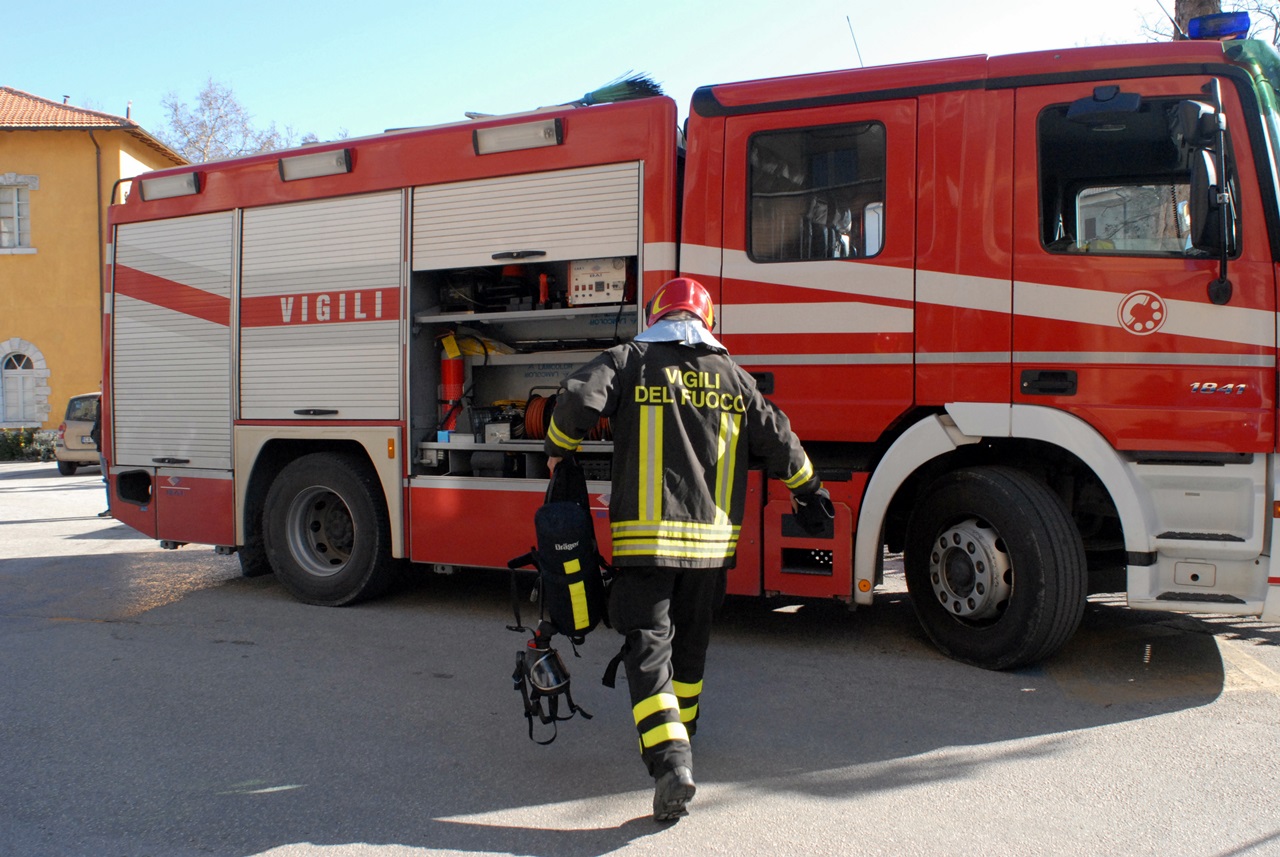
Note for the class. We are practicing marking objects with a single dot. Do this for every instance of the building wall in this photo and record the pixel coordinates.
(51, 300)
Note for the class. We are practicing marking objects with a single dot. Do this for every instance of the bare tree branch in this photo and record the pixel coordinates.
(219, 126)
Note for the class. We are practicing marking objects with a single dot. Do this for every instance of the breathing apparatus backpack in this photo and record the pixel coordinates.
(570, 585)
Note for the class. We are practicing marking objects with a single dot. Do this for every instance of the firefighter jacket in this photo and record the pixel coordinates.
(685, 420)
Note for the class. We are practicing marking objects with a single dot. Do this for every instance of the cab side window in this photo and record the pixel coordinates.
(1115, 187)
(817, 193)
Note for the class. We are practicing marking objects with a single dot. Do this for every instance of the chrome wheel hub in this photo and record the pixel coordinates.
(321, 531)
(970, 572)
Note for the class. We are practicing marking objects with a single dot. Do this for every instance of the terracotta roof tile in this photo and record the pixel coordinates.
(20, 109)
(23, 111)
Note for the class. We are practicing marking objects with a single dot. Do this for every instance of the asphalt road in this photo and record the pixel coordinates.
(157, 703)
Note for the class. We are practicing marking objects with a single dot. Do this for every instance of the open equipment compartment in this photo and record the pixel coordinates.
(516, 282)
(521, 269)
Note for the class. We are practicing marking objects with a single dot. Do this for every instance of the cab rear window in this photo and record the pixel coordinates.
(83, 408)
(817, 193)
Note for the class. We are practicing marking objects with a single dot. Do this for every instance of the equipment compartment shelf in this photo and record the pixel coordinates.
(600, 310)
(467, 444)
(467, 458)
(543, 331)
(536, 358)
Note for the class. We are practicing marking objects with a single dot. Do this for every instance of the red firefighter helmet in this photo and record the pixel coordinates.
(682, 293)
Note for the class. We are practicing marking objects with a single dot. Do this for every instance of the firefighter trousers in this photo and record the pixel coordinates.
(665, 615)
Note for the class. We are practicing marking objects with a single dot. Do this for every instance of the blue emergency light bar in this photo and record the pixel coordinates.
(1226, 25)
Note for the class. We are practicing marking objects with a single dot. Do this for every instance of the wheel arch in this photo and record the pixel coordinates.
(971, 433)
(261, 453)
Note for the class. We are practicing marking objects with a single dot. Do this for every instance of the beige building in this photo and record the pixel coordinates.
(59, 166)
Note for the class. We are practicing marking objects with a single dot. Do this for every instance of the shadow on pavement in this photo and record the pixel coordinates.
(236, 720)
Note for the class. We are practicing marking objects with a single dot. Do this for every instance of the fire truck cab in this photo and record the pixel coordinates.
(1021, 309)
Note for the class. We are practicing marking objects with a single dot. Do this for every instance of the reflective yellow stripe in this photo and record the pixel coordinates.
(573, 566)
(560, 439)
(687, 693)
(685, 690)
(726, 454)
(654, 704)
(680, 541)
(650, 464)
(665, 732)
(674, 531)
(675, 550)
(671, 551)
(689, 529)
(674, 553)
(677, 539)
(803, 475)
(578, 598)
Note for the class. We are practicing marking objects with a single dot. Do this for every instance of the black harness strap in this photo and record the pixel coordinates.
(533, 704)
(522, 561)
(610, 678)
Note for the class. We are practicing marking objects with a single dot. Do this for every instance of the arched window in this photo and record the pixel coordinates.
(18, 388)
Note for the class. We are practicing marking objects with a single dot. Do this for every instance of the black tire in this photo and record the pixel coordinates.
(325, 530)
(253, 553)
(68, 468)
(995, 567)
(253, 558)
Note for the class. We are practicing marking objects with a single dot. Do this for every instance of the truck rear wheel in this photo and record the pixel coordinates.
(326, 532)
(995, 568)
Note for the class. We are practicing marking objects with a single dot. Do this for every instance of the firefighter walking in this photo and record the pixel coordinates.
(685, 420)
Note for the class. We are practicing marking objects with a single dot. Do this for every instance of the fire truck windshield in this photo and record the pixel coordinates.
(1264, 65)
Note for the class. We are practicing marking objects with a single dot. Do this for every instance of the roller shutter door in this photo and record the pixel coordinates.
(568, 214)
(171, 342)
(320, 310)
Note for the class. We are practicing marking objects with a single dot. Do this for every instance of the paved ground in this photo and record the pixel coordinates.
(156, 703)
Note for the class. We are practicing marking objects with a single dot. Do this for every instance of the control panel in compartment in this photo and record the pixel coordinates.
(491, 345)
(523, 284)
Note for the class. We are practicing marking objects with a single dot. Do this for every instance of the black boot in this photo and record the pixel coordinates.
(672, 794)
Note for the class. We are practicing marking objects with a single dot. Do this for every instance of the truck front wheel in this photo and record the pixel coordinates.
(325, 530)
(995, 567)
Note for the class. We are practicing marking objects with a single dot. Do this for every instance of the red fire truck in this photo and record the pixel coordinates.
(1021, 309)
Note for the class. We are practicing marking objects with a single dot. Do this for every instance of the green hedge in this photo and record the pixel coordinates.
(26, 445)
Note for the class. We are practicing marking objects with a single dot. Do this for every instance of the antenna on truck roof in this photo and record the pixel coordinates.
(1177, 31)
(861, 64)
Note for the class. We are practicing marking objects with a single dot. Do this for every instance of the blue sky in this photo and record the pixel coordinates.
(367, 65)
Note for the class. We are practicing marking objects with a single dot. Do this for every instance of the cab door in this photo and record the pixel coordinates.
(817, 302)
(1113, 316)
(818, 281)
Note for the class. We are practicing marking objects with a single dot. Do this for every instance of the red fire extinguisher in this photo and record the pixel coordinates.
(452, 377)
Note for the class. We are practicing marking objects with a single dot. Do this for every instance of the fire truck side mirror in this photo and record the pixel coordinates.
(1195, 125)
(1206, 227)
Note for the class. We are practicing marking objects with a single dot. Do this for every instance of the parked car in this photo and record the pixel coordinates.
(74, 446)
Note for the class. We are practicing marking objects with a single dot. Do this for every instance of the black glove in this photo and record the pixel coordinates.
(813, 511)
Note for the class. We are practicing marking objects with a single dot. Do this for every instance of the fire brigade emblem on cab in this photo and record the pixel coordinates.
(1142, 312)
